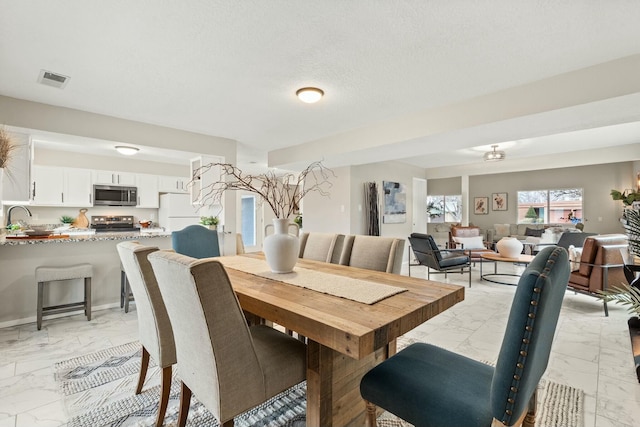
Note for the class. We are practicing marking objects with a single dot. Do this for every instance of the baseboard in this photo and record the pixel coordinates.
(32, 319)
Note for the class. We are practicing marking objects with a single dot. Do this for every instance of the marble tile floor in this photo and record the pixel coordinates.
(590, 352)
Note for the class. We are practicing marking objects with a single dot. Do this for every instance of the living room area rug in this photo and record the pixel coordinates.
(98, 390)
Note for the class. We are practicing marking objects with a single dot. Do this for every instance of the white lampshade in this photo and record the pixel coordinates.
(127, 151)
(310, 94)
(493, 156)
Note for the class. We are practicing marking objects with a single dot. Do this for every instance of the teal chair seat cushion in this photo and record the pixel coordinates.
(414, 382)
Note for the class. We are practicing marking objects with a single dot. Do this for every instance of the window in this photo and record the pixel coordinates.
(444, 209)
(550, 206)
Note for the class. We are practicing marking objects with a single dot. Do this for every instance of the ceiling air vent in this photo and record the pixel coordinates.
(52, 79)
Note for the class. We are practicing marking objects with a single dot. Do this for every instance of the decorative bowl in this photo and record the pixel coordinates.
(145, 224)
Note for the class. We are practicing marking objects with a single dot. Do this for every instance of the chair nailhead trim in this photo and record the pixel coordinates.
(526, 340)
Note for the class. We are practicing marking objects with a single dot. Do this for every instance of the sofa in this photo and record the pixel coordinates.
(546, 233)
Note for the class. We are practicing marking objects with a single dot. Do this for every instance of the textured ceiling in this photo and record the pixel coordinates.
(231, 69)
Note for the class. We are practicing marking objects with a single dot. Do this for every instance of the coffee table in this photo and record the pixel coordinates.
(503, 278)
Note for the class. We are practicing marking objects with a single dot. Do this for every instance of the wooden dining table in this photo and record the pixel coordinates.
(345, 338)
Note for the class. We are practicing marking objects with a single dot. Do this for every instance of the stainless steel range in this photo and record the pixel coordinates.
(111, 224)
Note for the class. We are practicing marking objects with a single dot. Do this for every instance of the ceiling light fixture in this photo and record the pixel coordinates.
(309, 94)
(127, 151)
(494, 156)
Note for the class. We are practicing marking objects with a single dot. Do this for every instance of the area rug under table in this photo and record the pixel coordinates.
(98, 391)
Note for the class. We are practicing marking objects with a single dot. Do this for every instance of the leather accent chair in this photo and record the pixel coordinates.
(601, 265)
(196, 241)
(427, 253)
(323, 247)
(154, 327)
(229, 366)
(430, 386)
(464, 232)
(373, 253)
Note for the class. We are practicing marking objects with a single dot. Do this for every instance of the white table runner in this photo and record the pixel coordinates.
(357, 290)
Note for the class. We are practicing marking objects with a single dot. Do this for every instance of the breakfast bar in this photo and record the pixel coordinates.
(19, 258)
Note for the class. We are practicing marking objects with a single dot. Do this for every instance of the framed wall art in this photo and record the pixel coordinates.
(499, 201)
(481, 205)
(395, 203)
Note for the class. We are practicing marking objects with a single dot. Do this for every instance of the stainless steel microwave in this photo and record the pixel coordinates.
(114, 195)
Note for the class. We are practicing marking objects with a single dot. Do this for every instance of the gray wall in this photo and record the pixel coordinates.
(601, 213)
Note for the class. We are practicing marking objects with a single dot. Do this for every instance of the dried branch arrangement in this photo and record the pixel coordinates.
(7, 148)
(282, 193)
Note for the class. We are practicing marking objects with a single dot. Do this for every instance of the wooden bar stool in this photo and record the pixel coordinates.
(46, 274)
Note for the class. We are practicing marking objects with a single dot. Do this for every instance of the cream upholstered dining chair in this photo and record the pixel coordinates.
(323, 247)
(373, 253)
(229, 366)
(154, 328)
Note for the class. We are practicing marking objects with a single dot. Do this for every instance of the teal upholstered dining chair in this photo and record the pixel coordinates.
(432, 387)
(196, 241)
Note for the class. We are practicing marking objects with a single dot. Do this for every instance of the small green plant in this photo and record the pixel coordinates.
(298, 220)
(67, 219)
(209, 220)
(623, 295)
(627, 196)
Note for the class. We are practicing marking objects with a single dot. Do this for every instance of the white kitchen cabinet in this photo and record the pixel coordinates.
(203, 178)
(47, 187)
(77, 187)
(147, 190)
(114, 178)
(55, 186)
(173, 184)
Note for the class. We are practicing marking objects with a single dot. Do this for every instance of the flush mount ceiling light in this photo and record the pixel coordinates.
(494, 156)
(127, 151)
(309, 94)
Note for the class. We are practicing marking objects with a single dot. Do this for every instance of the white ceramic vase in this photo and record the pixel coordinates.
(509, 247)
(281, 248)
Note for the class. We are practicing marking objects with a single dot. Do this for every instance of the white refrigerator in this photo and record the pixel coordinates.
(176, 212)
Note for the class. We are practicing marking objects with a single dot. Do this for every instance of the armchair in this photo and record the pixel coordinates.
(469, 239)
(427, 253)
(601, 265)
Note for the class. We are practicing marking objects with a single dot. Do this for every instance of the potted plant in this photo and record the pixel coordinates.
(629, 294)
(210, 221)
(7, 151)
(627, 196)
(298, 219)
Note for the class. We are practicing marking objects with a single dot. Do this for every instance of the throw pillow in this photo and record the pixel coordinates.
(502, 229)
(574, 257)
(470, 242)
(533, 232)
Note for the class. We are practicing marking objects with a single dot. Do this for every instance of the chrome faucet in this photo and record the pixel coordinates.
(12, 208)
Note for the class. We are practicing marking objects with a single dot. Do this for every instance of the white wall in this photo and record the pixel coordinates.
(330, 214)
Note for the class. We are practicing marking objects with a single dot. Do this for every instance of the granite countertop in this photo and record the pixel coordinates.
(75, 238)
